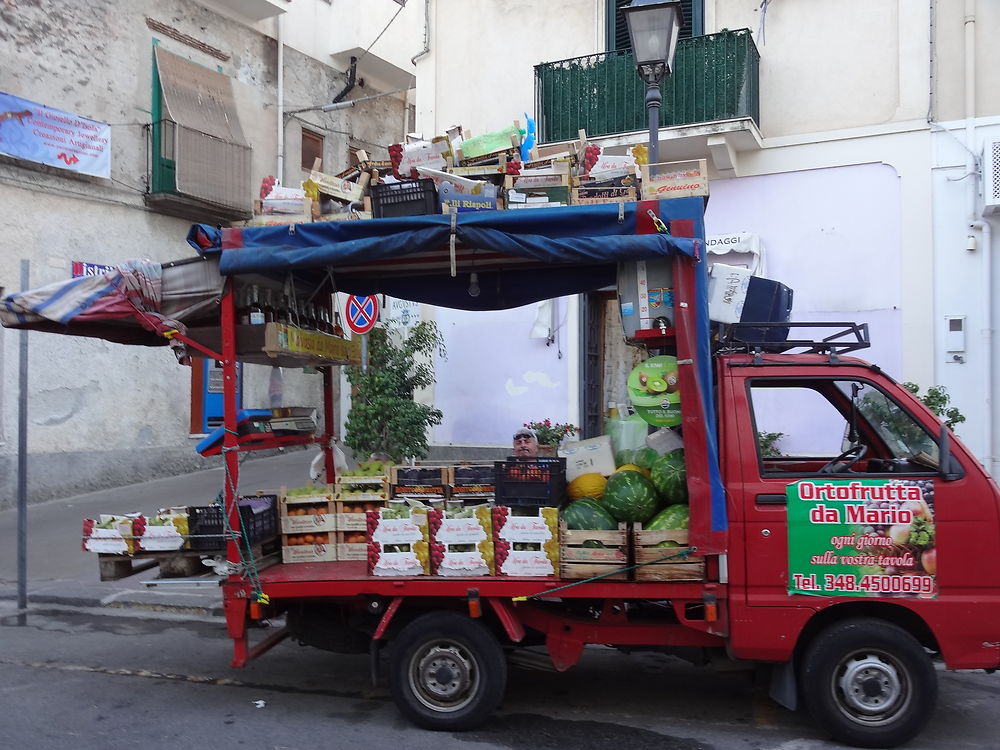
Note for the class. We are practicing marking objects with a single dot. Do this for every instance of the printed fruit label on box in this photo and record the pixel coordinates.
(527, 563)
(866, 537)
(525, 529)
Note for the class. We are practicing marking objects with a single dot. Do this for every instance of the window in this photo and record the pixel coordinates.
(617, 28)
(312, 149)
(201, 159)
(807, 426)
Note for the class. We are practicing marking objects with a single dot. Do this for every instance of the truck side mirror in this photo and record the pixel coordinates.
(948, 467)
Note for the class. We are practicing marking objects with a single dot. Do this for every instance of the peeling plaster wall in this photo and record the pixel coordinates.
(103, 414)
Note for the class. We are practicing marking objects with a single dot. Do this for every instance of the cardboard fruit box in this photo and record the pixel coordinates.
(461, 541)
(398, 542)
(526, 540)
(294, 549)
(306, 512)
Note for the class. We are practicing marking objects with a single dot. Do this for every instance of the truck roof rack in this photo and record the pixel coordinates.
(776, 338)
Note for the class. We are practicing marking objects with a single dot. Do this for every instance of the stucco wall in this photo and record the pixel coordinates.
(99, 413)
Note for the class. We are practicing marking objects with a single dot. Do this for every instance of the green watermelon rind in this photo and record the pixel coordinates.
(669, 477)
(588, 514)
(673, 517)
(630, 497)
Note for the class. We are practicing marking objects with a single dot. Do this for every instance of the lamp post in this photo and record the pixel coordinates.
(653, 27)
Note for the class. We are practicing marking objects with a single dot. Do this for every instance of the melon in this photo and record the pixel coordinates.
(586, 485)
(672, 517)
(670, 477)
(625, 456)
(645, 458)
(629, 496)
(587, 513)
(633, 467)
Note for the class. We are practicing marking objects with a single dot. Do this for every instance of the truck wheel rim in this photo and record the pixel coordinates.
(871, 687)
(443, 677)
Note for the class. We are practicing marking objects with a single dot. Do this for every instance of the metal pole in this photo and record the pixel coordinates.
(22, 466)
(653, 99)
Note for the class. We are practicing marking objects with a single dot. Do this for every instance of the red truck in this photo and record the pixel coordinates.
(822, 565)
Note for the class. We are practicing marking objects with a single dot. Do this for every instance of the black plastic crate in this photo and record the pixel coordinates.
(405, 198)
(258, 517)
(530, 481)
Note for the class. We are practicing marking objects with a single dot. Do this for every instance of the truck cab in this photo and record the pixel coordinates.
(855, 558)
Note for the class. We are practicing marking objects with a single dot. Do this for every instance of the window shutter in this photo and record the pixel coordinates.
(618, 29)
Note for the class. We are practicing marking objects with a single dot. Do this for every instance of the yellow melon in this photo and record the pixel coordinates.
(586, 485)
(633, 467)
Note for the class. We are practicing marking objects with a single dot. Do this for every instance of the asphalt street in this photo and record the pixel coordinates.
(60, 572)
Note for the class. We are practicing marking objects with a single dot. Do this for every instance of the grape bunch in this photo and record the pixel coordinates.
(437, 550)
(266, 186)
(434, 516)
(513, 167)
(486, 550)
(396, 158)
(371, 521)
(374, 553)
(88, 529)
(501, 548)
(422, 551)
(590, 156)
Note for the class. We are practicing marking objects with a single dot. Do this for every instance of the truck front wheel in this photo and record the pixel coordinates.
(868, 683)
(448, 672)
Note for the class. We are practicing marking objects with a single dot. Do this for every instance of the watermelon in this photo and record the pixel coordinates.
(587, 513)
(629, 496)
(672, 517)
(644, 458)
(625, 456)
(670, 478)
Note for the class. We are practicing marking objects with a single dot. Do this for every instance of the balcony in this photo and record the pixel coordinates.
(715, 78)
(196, 176)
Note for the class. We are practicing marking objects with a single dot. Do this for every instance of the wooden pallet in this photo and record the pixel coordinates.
(579, 561)
(676, 567)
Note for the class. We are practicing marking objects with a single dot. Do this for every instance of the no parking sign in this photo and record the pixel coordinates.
(362, 313)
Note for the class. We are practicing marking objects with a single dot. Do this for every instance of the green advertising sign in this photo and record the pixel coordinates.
(867, 537)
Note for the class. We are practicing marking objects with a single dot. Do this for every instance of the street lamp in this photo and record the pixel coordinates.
(653, 27)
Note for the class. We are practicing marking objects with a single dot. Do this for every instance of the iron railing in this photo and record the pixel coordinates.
(715, 77)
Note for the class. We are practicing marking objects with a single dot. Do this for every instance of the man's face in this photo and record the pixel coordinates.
(525, 446)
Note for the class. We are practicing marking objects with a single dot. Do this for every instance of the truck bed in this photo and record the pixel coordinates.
(351, 578)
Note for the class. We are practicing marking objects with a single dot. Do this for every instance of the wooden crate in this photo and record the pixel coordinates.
(677, 566)
(579, 561)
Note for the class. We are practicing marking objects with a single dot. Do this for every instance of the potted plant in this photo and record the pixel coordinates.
(550, 435)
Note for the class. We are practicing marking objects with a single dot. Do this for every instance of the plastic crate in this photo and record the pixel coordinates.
(258, 517)
(406, 198)
(530, 481)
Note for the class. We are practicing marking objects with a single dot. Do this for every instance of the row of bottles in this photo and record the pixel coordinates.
(256, 306)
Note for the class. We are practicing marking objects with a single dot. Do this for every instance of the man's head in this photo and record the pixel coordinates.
(525, 443)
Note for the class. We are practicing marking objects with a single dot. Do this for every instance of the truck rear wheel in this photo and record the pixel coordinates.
(447, 672)
(868, 683)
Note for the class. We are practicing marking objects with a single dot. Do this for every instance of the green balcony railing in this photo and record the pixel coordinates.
(715, 77)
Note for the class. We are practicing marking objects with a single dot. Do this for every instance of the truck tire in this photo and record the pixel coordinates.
(868, 683)
(447, 672)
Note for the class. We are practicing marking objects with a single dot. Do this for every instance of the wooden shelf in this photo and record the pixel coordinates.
(282, 345)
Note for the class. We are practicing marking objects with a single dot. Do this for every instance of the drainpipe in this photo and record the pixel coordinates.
(977, 224)
(280, 168)
(352, 74)
(427, 33)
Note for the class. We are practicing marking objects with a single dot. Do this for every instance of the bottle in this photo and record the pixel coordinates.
(281, 308)
(256, 311)
(243, 306)
(269, 315)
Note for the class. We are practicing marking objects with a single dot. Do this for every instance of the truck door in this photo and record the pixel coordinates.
(856, 428)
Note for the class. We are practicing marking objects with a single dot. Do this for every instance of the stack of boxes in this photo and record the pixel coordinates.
(355, 496)
(307, 524)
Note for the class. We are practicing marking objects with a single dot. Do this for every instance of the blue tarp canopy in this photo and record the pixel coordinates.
(518, 256)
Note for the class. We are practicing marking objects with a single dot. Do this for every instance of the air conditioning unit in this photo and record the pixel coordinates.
(991, 177)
